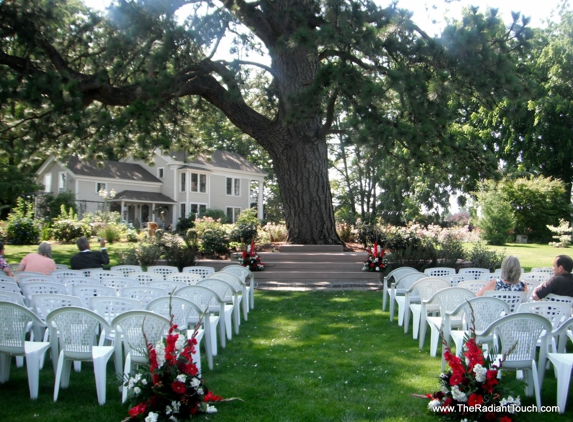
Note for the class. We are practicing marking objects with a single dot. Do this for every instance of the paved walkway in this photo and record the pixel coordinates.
(321, 285)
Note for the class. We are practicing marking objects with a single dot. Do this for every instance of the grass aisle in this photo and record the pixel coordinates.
(302, 356)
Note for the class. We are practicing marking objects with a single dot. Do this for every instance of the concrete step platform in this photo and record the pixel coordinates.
(321, 285)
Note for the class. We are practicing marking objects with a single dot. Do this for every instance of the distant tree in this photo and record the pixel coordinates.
(497, 219)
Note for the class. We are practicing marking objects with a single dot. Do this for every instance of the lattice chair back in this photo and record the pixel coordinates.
(186, 278)
(237, 283)
(459, 278)
(62, 266)
(63, 273)
(70, 282)
(7, 279)
(144, 277)
(126, 270)
(478, 273)
(88, 271)
(440, 272)
(513, 299)
(548, 270)
(9, 287)
(554, 312)
(428, 286)
(44, 303)
(231, 308)
(472, 285)
(201, 270)
(86, 291)
(104, 274)
(11, 296)
(144, 294)
(248, 279)
(393, 275)
(110, 307)
(403, 281)
(34, 288)
(536, 276)
(162, 269)
(169, 286)
(519, 335)
(119, 283)
(35, 278)
(558, 298)
(565, 330)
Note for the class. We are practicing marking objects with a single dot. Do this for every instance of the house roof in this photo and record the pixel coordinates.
(134, 195)
(223, 159)
(111, 170)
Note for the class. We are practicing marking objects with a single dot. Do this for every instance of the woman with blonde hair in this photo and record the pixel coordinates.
(40, 262)
(509, 280)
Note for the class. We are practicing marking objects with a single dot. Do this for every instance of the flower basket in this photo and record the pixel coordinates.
(251, 259)
(376, 260)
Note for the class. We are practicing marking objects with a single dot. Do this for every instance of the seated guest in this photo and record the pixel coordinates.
(562, 281)
(87, 258)
(40, 262)
(3, 265)
(509, 279)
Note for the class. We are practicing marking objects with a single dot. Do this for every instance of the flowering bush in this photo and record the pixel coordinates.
(251, 259)
(170, 388)
(376, 260)
(470, 389)
(21, 227)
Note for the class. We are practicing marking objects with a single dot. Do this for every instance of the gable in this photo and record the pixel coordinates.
(221, 159)
(110, 170)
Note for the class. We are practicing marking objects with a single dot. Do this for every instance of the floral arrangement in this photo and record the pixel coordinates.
(251, 259)
(170, 387)
(376, 260)
(470, 389)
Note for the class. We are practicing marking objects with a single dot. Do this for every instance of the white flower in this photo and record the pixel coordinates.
(181, 378)
(195, 382)
(144, 381)
(180, 343)
(175, 406)
(137, 390)
(152, 417)
(211, 409)
(168, 410)
(511, 403)
(434, 403)
(459, 395)
(480, 372)
(160, 352)
(200, 391)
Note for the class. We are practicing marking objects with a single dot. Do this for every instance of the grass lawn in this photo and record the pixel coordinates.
(302, 356)
(530, 254)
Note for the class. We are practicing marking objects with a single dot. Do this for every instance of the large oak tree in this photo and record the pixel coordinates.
(141, 77)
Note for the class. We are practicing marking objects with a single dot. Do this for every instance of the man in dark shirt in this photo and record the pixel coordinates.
(87, 258)
(561, 283)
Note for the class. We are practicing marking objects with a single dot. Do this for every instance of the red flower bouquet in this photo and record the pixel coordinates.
(376, 260)
(470, 389)
(251, 260)
(170, 387)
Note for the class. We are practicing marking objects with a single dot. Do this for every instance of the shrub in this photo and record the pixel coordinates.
(276, 232)
(215, 214)
(21, 227)
(449, 250)
(249, 216)
(185, 223)
(206, 223)
(144, 254)
(175, 252)
(482, 257)
(131, 235)
(345, 231)
(214, 242)
(368, 233)
(562, 234)
(66, 228)
(497, 219)
(243, 232)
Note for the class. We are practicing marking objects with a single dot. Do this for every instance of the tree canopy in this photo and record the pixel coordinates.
(142, 77)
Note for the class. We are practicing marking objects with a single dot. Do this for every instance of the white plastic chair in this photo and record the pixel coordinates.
(229, 308)
(519, 334)
(144, 294)
(119, 283)
(63, 273)
(145, 278)
(478, 273)
(182, 311)
(472, 285)
(476, 313)
(240, 286)
(456, 279)
(187, 278)
(201, 270)
(169, 286)
(62, 266)
(425, 288)
(16, 320)
(104, 274)
(397, 292)
(88, 271)
(394, 274)
(513, 299)
(13, 297)
(9, 287)
(6, 279)
(440, 272)
(76, 327)
(70, 282)
(126, 270)
(247, 278)
(162, 269)
(563, 363)
(38, 287)
(447, 300)
(548, 270)
(536, 276)
(132, 325)
(204, 298)
(87, 291)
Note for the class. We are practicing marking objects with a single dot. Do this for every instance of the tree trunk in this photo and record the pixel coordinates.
(302, 174)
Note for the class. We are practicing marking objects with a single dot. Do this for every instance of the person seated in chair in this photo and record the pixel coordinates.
(40, 262)
(509, 279)
(87, 258)
(561, 283)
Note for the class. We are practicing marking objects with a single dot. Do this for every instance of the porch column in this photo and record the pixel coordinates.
(260, 201)
(153, 212)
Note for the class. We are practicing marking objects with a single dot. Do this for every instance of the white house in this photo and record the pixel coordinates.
(163, 192)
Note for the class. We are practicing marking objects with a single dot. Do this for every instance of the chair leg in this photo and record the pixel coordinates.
(563, 371)
(5, 361)
(100, 358)
(59, 370)
(536, 385)
(126, 375)
(435, 337)
(384, 295)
